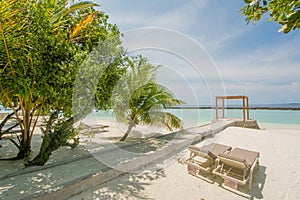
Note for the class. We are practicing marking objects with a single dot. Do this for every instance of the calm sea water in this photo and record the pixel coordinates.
(194, 117)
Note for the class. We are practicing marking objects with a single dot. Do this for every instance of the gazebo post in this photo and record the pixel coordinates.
(223, 107)
(217, 116)
(244, 113)
(247, 104)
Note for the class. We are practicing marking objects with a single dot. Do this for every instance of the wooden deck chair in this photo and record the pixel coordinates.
(203, 159)
(236, 168)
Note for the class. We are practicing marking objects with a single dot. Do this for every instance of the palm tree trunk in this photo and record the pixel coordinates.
(130, 126)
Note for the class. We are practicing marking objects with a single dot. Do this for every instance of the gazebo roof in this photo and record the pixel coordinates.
(232, 97)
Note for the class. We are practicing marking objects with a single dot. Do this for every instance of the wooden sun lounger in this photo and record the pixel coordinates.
(236, 168)
(203, 159)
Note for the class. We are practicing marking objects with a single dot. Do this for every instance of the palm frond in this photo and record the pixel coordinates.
(150, 100)
(160, 95)
(61, 11)
(9, 30)
(80, 5)
(171, 121)
(82, 24)
(162, 118)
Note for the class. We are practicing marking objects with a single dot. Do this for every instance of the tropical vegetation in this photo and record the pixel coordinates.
(42, 46)
(139, 99)
(284, 12)
(58, 61)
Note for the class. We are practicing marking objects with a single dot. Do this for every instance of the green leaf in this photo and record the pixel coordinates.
(270, 19)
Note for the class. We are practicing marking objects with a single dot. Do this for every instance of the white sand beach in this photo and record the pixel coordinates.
(278, 176)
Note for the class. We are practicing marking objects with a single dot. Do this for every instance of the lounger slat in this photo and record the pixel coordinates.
(248, 155)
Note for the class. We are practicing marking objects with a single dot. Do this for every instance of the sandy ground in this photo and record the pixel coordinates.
(278, 176)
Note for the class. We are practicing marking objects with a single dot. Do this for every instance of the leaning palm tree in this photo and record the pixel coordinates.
(140, 100)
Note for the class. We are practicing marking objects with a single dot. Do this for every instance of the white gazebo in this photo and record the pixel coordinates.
(245, 105)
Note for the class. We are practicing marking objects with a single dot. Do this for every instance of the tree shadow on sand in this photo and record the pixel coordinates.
(146, 145)
(129, 186)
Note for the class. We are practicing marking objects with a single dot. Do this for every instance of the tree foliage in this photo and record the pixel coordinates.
(139, 99)
(284, 12)
(42, 46)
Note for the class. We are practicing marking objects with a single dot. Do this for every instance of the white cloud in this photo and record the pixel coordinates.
(251, 59)
(296, 84)
(186, 68)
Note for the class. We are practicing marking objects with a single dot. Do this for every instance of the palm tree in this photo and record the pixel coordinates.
(140, 100)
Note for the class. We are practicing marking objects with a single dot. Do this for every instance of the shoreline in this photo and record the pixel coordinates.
(232, 108)
(270, 126)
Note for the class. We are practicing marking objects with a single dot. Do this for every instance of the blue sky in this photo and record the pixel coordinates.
(253, 60)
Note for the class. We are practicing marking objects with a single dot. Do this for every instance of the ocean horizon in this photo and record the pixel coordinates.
(279, 106)
(197, 117)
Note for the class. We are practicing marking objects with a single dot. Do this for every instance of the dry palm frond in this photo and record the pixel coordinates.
(82, 24)
(61, 11)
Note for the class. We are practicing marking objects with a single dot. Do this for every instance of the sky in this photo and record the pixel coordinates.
(205, 48)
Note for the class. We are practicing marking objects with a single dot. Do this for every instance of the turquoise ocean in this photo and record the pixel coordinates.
(196, 117)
